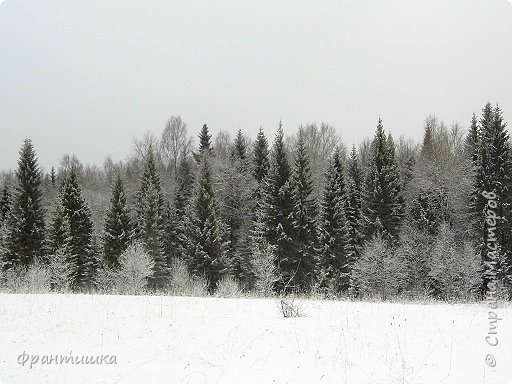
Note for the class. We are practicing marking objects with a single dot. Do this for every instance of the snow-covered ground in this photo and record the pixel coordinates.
(209, 340)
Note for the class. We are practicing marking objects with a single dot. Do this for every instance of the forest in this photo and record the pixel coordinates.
(304, 214)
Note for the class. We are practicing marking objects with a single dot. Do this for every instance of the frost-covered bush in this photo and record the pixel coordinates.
(379, 271)
(136, 267)
(60, 271)
(454, 270)
(228, 287)
(264, 267)
(181, 283)
(34, 279)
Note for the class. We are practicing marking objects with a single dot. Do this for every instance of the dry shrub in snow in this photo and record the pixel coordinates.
(290, 306)
(183, 284)
(136, 267)
(264, 267)
(34, 279)
(60, 271)
(379, 271)
(454, 270)
(228, 287)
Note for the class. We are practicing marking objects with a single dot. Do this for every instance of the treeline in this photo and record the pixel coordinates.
(303, 213)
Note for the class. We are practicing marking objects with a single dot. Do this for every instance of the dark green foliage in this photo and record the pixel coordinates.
(239, 148)
(205, 143)
(237, 202)
(278, 209)
(353, 208)
(5, 204)
(493, 174)
(25, 239)
(204, 248)
(79, 247)
(171, 234)
(261, 159)
(150, 220)
(59, 230)
(118, 229)
(473, 140)
(384, 203)
(304, 215)
(335, 265)
(53, 176)
(185, 181)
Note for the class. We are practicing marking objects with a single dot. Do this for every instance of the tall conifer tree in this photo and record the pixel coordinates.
(25, 239)
(118, 230)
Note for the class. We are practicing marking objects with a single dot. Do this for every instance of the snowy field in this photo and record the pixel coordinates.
(209, 340)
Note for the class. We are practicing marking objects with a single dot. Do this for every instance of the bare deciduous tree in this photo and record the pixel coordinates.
(175, 142)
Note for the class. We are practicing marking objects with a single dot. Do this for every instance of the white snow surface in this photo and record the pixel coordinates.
(212, 340)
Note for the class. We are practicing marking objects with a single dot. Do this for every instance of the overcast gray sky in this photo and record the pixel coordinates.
(85, 77)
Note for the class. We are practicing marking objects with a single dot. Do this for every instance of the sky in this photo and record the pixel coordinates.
(87, 76)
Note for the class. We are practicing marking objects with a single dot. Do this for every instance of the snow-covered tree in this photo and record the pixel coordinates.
(79, 246)
(204, 248)
(25, 238)
(335, 264)
(304, 215)
(354, 208)
(150, 220)
(117, 231)
(277, 206)
(383, 196)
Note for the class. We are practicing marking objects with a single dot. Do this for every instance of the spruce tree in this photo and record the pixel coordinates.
(80, 248)
(171, 244)
(334, 249)
(261, 157)
(473, 140)
(240, 147)
(493, 174)
(117, 230)
(185, 186)
(236, 194)
(383, 195)
(5, 204)
(25, 238)
(150, 220)
(278, 208)
(204, 247)
(205, 143)
(59, 230)
(353, 207)
(304, 215)
(53, 176)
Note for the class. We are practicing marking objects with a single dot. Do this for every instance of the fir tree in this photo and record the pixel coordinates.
(353, 208)
(5, 204)
(150, 220)
(493, 173)
(171, 244)
(473, 139)
(53, 176)
(205, 144)
(304, 216)
(80, 248)
(237, 199)
(261, 157)
(383, 195)
(239, 148)
(185, 181)
(335, 265)
(117, 231)
(25, 238)
(278, 208)
(59, 230)
(204, 247)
